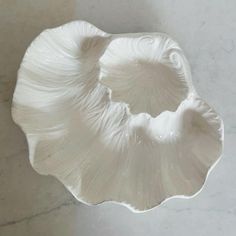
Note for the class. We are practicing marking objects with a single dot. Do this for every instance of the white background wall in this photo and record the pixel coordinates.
(32, 205)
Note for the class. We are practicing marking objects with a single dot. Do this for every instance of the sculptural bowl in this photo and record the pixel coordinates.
(115, 117)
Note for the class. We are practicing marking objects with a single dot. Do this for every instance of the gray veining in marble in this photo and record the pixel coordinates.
(31, 204)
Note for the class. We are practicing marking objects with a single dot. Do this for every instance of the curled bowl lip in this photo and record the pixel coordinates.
(51, 102)
(157, 66)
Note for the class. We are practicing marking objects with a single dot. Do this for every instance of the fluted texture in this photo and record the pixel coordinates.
(115, 117)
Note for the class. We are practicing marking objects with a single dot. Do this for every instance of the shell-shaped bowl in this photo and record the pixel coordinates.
(115, 117)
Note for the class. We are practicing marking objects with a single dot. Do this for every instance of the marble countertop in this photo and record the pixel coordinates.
(31, 204)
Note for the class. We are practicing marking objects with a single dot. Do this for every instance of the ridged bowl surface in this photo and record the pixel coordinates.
(115, 117)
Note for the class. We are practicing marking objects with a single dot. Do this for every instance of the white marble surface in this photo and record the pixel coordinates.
(31, 204)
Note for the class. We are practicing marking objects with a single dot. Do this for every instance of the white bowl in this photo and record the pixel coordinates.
(115, 117)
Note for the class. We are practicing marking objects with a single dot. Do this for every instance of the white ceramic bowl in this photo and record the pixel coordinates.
(115, 117)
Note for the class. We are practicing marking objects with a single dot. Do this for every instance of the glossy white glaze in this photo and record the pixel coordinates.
(115, 117)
